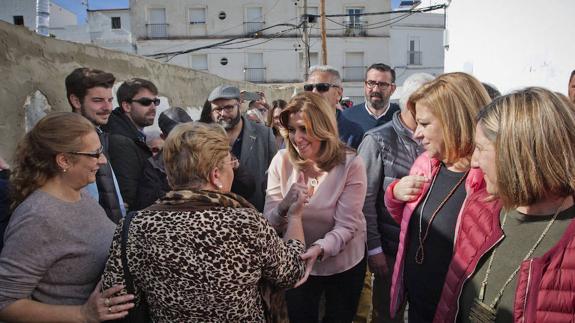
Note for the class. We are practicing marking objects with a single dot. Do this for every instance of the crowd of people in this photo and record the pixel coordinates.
(458, 201)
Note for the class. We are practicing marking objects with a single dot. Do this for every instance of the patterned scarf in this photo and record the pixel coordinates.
(193, 200)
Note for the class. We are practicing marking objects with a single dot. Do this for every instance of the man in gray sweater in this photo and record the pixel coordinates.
(388, 152)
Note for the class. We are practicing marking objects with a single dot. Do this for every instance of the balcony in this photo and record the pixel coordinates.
(255, 74)
(355, 30)
(252, 27)
(157, 30)
(413, 57)
(353, 73)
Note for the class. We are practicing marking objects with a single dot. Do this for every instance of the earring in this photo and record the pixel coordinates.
(64, 170)
(219, 185)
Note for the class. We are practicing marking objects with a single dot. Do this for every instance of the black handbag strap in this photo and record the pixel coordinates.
(125, 230)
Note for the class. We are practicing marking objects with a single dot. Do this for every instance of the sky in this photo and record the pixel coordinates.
(79, 6)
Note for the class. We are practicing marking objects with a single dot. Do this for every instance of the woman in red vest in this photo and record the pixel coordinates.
(519, 266)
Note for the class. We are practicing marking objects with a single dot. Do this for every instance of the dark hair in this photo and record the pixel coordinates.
(82, 79)
(572, 74)
(206, 115)
(491, 90)
(131, 87)
(276, 104)
(382, 68)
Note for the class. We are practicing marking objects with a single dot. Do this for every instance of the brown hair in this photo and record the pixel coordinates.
(276, 104)
(320, 124)
(35, 158)
(455, 99)
(82, 79)
(533, 131)
(131, 87)
(191, 151)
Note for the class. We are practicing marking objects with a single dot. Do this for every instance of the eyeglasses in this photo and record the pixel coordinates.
(95, 154)
(234, 161)
(146, 101)
(226, 108)
(321, 87)
(382, 85)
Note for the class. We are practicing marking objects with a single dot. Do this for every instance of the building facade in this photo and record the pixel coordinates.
(23, 13)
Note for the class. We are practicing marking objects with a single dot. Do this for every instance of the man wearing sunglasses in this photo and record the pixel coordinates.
(326, 81)
(378, 87)
(137, 100)
(89, 92)
(253, 144)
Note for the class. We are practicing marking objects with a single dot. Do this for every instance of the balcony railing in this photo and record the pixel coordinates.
(353, 73)
(357, 29)
(255, 74)
(413, 57)
(252, 27)
(157, 30)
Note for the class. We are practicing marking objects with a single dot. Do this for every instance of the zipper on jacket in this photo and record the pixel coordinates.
(471, 274)
(527, 291)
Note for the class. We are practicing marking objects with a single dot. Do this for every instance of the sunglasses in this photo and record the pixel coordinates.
(95, 154)
(146, 101)
(321, 87)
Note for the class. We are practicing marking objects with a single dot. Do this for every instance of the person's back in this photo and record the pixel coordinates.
(211, 271)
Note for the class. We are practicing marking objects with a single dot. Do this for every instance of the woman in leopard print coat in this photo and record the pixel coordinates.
(201, 253)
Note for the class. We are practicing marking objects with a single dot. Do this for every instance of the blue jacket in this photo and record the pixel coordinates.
(359, 115)
(349, 132)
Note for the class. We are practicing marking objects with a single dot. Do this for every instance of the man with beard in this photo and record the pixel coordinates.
(378, 87)
(89, 92)
(128, 149)
(253, 144)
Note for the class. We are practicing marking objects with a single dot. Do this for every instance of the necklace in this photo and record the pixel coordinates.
(422, 236)
(481, 312)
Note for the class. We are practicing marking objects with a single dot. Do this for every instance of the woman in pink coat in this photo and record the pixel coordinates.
(430, 203)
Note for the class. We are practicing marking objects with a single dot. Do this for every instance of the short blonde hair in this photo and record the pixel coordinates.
(533, 131)
(320, 123)
(191, 151)
(455, 99)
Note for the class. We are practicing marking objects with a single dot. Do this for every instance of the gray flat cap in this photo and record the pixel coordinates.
(224, 92)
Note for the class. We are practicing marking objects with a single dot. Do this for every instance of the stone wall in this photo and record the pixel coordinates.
(31, 63)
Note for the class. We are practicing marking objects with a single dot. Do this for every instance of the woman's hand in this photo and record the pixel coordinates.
(297, 190)
(310, 256)
(409, 188)
(103, 306)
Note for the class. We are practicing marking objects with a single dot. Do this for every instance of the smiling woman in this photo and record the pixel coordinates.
(57, 241)
(318, 164)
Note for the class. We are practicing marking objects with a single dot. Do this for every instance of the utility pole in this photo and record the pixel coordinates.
(305, 41)
(323, 35)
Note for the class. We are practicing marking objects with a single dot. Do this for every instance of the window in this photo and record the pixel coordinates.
(254, 20)
(116, 23)
(19, 20)
(313, 11)
(414, 52)
(197, 16)
(200, 62)
(354, 69)
(157, 26)
(354, 24)
(255, 70)
(313, 59)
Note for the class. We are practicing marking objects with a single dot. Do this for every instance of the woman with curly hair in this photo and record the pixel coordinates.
(57, 240)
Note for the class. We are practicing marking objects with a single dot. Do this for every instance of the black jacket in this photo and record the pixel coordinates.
(128, 154)
(105, 183)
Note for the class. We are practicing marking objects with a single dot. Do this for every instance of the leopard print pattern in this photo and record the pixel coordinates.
(202, 256)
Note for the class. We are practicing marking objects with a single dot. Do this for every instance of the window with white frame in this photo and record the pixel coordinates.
(255, 70)
(200, 62)
(254, 19)
(414, 52)
(352, 20)
(354, 68)
(197, 16)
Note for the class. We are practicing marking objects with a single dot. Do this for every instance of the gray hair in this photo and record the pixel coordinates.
(410, 85)
(336, 77)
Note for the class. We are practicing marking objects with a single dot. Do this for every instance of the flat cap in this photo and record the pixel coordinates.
(224, 92)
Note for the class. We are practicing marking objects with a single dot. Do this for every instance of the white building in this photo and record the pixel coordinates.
(23, 12)
(417, 44)
(513, 43)
(276, 54)
(110, 28)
